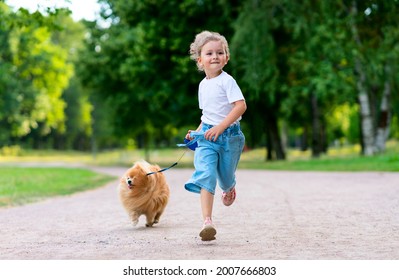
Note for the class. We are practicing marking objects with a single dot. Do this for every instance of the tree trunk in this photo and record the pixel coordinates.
(275, 149)
(366, 120)
(269, 146)
(304, 139)
(273, 136)
(94, 147)
(323, 137)
(316, 127)
(276, 140)
(385, 115)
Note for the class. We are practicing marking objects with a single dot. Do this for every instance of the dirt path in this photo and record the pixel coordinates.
(277, 215)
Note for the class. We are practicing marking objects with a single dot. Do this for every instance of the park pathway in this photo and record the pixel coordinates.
(277, 215)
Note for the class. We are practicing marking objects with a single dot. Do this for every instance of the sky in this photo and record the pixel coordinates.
(81, 9)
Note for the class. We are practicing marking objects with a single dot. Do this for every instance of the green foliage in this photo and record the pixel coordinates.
(34, 73)
(317, 66)
(343, 124)
(254, 51)
(43, 100)
(78, 112)
(44, 65)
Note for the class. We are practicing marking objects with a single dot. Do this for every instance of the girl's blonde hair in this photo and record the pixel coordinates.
(201, 39)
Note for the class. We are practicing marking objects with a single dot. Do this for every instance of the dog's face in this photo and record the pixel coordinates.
(135, 177)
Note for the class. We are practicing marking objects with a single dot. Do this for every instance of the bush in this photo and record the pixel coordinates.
(11, 151)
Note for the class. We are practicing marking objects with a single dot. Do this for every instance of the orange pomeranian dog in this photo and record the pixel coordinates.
(142, 193)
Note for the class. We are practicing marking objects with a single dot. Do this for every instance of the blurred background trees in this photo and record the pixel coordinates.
(314, 73)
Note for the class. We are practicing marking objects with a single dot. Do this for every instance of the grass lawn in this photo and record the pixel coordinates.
(337, 159)
(20, 185)
(388, 163)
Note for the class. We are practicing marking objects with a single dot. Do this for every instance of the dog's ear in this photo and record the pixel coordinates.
(140, 169)
(144, 167)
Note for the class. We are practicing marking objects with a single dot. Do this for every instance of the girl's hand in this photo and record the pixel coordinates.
(213, 133)
(188, 135)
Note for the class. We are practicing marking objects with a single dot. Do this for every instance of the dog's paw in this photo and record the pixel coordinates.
(135, 222)
(149, 224)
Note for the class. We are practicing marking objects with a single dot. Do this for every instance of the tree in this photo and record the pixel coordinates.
(255, 60)
(35, 74)
(78, 119)
(372, 29)
(318, 70)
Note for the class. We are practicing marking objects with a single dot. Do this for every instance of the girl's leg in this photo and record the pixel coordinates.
(208, 231)
(206, 204)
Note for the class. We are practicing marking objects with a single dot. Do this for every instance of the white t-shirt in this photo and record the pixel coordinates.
(216, 96)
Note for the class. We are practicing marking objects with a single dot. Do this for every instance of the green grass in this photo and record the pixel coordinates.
(20, 185)
(376, 163)
(346, 158)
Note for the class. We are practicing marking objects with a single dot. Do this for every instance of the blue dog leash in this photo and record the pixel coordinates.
(188, 144)
(164, 169)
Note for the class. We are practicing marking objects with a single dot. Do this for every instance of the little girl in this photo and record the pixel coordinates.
(219, 137)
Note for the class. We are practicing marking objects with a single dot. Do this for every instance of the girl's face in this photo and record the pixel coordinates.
(213, 58)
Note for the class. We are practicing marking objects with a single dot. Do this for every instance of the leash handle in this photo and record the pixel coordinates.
(196, 136)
